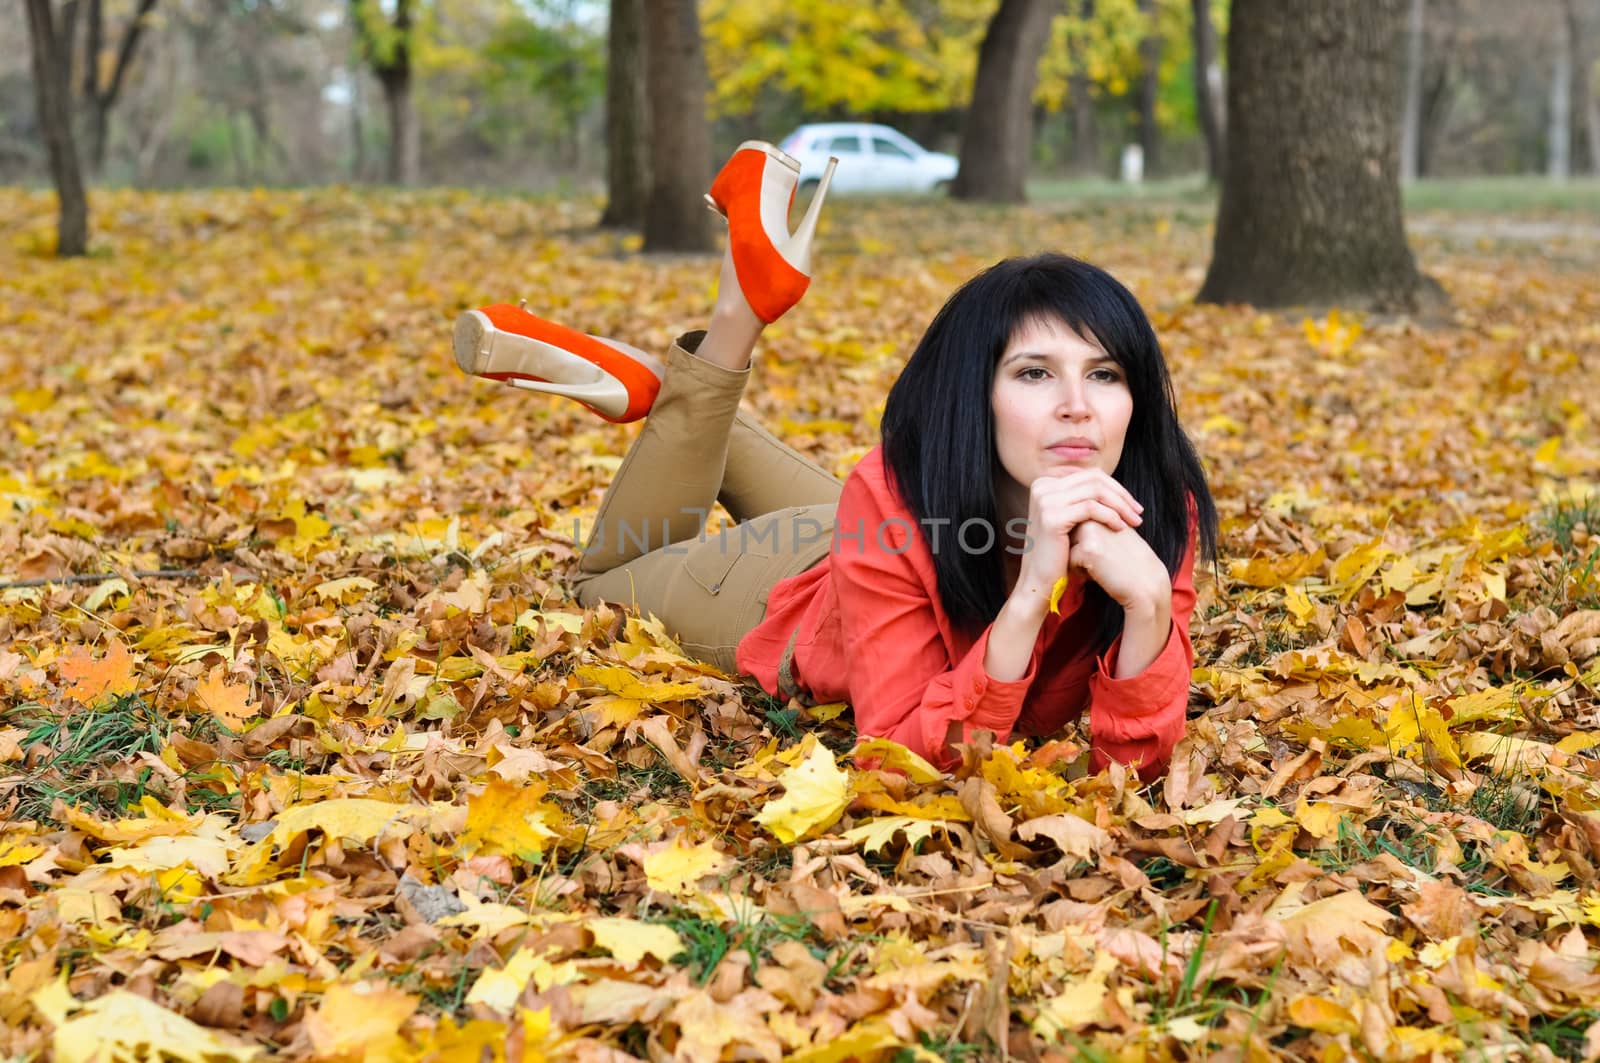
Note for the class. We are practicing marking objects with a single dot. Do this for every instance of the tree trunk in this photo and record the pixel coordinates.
(389, 55)
(1310, 209)
(676, 218)
(1085, 148)
(405, 150)
(1208, 88)
(66, 43)
(997, 132)
(1558, 160)
(1583, 83)
(55, 122)
(1411, 118)
(358, 127)
(102, 98)
(627, 118)
(1149, 86)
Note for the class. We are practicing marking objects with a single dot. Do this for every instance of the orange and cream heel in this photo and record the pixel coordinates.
(754, 191)
(506, 343)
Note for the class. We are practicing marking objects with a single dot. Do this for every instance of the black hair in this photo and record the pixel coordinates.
(938, 425)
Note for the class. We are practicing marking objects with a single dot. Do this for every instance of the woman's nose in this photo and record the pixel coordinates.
(1072, 403)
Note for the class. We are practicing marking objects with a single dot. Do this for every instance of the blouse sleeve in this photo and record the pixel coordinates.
(1138, 720)
(903, 684)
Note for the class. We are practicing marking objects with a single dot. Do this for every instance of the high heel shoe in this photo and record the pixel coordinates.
(754, 192)
(506, 343)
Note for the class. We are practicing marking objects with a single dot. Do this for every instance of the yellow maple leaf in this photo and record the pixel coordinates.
(876, 833)
(1494, 703)
(891, 754)
(815, 793)
(679, 867)
(358, 819)
(511, 818)
(92, 680)
(629, 941)
(1414, 725)
(353, 1018)
(1591, 909)
(1320, 819)
(158, 820)
(123, 1025)
(867, 1039)
(625, 683)
(1080, 1004)
(227, 703)
(499, 989)
(1322, 1015)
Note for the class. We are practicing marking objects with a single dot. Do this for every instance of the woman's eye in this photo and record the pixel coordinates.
(1110, 376)
(1026, 373)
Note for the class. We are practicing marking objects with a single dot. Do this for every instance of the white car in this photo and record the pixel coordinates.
(872, 159)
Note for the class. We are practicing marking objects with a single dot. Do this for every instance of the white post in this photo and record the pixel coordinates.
(1132, 164)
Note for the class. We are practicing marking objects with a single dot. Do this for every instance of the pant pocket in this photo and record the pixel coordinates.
(709, 568)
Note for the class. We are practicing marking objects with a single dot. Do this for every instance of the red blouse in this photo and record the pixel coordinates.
(869, 629)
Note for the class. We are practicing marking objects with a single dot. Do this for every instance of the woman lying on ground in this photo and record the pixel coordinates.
(1032, 436)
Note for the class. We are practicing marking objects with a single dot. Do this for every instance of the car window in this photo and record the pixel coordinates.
(845, 146)
(889, 148)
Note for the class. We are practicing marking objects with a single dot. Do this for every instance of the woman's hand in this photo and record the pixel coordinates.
(1122, 564)
(1057, 507)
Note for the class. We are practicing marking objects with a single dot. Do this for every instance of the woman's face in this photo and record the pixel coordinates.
(1060, 403)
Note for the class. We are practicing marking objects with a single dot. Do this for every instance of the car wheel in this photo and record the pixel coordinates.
(941, 188)
(808, 186)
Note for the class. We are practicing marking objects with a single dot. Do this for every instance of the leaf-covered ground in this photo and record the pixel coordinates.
(357, 778)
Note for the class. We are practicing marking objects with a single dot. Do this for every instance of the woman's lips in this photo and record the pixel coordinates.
(1074, 451)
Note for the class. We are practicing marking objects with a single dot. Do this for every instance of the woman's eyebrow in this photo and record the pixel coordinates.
(1018, 356)
(1042, 356)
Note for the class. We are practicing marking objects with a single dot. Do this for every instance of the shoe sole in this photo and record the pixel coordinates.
(483, 350)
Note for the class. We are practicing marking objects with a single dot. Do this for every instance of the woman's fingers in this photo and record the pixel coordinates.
(1063, 519)
(1091, 484)
(1053, 500)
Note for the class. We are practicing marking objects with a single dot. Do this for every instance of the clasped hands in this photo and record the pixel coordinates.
(1084, 525)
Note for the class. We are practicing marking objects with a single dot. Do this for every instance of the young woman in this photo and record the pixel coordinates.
(1031, 439)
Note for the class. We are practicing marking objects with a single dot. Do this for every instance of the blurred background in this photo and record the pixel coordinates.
(512, 94)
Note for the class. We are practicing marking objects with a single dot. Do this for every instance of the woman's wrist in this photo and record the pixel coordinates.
(1028, 601)
(1011, 639)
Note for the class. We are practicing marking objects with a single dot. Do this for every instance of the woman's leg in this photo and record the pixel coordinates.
(763, 474)
(665, 487)
(711, 590)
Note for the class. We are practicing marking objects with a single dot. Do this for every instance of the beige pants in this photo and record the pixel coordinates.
(649, 549)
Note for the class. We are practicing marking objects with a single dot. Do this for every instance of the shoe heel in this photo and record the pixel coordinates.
(808, 224)
(472, 340)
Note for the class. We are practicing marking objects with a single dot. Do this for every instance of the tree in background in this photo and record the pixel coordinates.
(676, 218)
(555, 58)
(1149, 85)
(627, 118)
(1587, 86)
(55, 120)
(1208, 87)
(998, 132)
(386, 44)
(52, 39)
(101, 96)
(1310, 210)
(1085, 147)
(842, 56)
